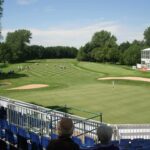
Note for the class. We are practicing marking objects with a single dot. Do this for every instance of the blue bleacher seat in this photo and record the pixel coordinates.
(3, 127)
(23, 137)
(22, 132)
(146, 142)
(34, 137)
(45, 141)
(35, 141)
(88, 141)
(145, 148)
(77, 140)
(85, 148)
(54, 136)
(124, 141)
(137, 143)
(13, 129)
(124, 144)
(3, 124)
(10, 137)
(115, 142)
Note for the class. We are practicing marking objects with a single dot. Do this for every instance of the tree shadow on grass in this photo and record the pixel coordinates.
(3, 66)
(11, 75)
(56, 107)
(60, 108)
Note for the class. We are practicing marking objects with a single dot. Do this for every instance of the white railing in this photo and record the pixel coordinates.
(132, 131)
(49, 117)
(43, 120)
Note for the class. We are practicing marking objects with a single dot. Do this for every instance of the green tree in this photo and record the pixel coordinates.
(40, 52)
(98, 54)
(18, 40)
(122, 48)
(102, 48)
(85, 52)
(132, 55)
(104, 42)
(147, 36)
(5, 53)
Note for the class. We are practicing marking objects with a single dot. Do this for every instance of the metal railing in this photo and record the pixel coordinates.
(132, 131)
(44, 121)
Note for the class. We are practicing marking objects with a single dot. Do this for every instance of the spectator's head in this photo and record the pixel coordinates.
(104, 133)
(65, 127)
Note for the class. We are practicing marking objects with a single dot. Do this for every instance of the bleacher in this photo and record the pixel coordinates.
(27, 126)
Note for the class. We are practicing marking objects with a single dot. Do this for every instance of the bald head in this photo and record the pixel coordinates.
(65, 127)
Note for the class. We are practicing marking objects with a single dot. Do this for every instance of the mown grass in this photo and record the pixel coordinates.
(76, 85)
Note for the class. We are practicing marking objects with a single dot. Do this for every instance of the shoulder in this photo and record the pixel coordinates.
(52, 144)
(76, 146)
(53, 141)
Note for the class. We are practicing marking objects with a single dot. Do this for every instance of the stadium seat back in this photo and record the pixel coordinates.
(10, 137)
(125, 144)
(4, 124)
(45, 141)
(22, 132)
(34, 138)
(115, 142)
(54, 136)
(145, 148)
(77, 140)
(13, 129)
(88, 141)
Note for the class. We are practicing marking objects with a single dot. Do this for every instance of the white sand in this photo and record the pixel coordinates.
(126, 78)
(30, 86)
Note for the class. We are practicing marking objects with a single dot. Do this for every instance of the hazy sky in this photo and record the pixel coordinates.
(73, 22)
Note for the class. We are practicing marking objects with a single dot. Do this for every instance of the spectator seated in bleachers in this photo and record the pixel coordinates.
(104, 133)
(64, 141)
(3, 113)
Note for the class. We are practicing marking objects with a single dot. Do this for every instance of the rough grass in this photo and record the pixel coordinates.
(75, 84)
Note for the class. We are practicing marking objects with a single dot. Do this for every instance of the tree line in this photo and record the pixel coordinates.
(103, 48)
(16, 48)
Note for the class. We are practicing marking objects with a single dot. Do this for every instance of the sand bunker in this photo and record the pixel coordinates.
(30, 86)
(126, 78)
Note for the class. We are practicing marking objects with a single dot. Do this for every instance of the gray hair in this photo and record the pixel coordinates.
(65, 127)
(104, 133)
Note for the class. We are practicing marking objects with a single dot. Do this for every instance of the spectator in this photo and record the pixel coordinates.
(3, 113)
(104, 133)
(64, 141)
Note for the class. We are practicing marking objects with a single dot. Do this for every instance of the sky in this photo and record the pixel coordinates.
(73, 22)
